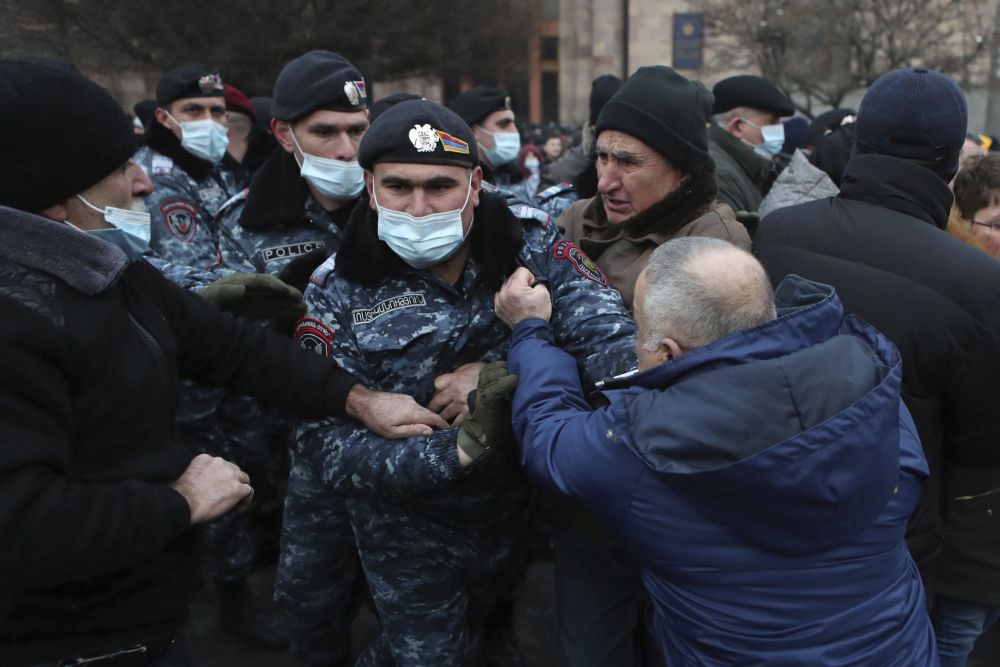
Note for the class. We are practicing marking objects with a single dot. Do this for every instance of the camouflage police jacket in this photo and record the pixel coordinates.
(276, 222)
(187, 194)
(397, 329)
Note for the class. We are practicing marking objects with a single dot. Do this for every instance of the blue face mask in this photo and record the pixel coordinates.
(423, 241)
(774, 139)
(130, 230)
(204, 139)
(506, 146)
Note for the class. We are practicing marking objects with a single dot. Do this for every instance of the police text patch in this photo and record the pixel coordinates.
(408, 300)
(280, 252)
(578, 258)
(313, 335)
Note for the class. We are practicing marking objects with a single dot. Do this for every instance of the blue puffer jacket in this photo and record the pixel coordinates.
(764, 482)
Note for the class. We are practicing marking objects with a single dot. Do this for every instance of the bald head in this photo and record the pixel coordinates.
(695, 291)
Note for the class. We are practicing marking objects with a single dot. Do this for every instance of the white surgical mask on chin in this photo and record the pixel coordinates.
(203, 139)
(335, 179)
(131, 227)
(423, 241)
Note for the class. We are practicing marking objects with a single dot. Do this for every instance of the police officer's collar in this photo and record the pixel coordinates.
(494, 240)
(277, 196)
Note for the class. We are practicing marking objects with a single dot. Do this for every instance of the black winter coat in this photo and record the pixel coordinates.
(881, 244)
(96, 552)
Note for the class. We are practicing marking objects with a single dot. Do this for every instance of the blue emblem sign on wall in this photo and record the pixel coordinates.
(689, 40)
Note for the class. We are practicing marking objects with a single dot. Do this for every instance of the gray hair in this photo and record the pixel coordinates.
(699, 290)
(721, 119)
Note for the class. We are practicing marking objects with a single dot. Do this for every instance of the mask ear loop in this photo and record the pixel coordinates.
(296, 142)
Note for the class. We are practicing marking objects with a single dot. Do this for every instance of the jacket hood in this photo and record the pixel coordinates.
(87, 263)
(787, 433)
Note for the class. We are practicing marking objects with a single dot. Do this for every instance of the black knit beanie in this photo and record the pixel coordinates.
(665, 111)
(60, 133)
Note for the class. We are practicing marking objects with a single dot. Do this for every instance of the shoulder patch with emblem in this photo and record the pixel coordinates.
(584, 265)
(181, 218)
(311, 334)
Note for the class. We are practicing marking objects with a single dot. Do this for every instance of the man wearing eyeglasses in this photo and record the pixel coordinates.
(882, 244)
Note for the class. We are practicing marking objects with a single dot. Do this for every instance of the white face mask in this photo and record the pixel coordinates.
(204, 139)
(335, 179)
(506, 146)
(422, 241)
(774, 139)
(131, 227)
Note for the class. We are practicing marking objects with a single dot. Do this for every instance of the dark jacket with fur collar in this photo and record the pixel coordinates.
(97, 553)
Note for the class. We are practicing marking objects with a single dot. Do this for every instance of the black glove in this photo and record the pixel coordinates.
(489, 423)
(255, 296)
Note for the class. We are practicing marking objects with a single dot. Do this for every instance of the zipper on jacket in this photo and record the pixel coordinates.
(154, 347)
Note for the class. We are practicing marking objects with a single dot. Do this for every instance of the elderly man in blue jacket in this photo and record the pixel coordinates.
(760, 464)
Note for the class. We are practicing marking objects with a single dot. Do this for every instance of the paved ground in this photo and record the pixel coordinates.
(534, 623)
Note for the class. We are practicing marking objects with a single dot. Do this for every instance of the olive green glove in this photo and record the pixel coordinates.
(489, 425)
(255, 296)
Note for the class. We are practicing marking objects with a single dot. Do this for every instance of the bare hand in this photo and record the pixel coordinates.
(453, 389)
(212, 486)
(521, 298)
(392, 415)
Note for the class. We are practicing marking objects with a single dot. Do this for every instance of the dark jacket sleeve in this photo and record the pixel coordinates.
(55, 530)
(217, 349)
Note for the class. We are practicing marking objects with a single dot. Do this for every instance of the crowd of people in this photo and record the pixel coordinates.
(735, 376)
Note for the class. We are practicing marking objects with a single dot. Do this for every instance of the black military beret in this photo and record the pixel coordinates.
(383, 103)
(478, 102)
(751, 91)
(419, 132)
(318, 80)
(189, 81)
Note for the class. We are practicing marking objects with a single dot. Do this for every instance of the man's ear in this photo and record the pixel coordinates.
(476, 183)
(55, 212)
(370, 187)
(733, 125)
(160, 114)
(282, 134)
(670, 349)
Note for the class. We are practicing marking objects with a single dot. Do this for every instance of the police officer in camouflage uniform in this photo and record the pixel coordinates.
(487, 110)
(293, 211)
(301, 196)
(193, 175)
(185, 157)
(407, 303)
